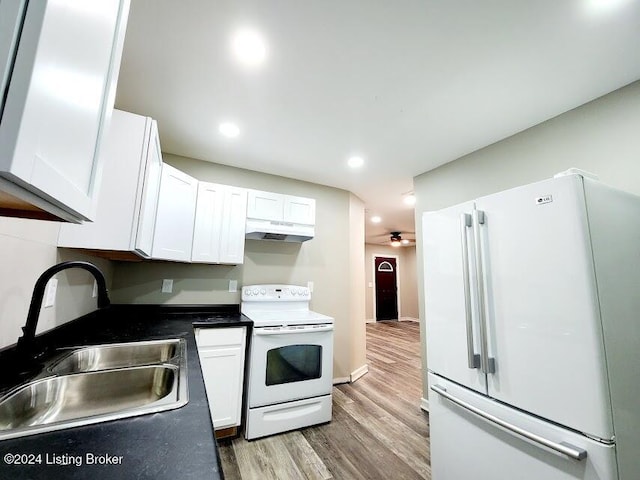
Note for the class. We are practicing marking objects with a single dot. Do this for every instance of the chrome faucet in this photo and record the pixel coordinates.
(25, 345)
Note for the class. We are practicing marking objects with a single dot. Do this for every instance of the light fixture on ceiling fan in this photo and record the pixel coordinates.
(396, 239)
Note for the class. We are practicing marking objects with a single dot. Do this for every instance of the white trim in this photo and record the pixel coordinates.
(409, 319)
(371, 320)
(339, 380)
(424, 404)
(359, 372)
(397, 272)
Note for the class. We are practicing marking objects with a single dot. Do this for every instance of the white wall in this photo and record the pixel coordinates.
(601, 137)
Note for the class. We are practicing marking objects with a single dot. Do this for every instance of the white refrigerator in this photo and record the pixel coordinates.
(532, 308)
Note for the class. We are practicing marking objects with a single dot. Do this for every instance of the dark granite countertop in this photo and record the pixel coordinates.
(175, 444)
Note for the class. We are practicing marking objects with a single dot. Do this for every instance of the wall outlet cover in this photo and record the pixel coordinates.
(233, 286)
(167, 285)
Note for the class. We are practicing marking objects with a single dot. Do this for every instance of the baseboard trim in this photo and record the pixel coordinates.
(371, 320)
(409, 319)
(359, 372)
(424, 404)
(339, 380)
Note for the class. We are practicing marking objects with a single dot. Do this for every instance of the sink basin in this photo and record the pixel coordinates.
(118, 355)
(91, 384)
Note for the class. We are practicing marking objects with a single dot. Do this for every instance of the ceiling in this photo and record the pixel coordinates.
(408, 85)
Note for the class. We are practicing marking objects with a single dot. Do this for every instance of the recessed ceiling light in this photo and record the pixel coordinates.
(249, 47)
(229, 130)
(355, 162)
(376, 219)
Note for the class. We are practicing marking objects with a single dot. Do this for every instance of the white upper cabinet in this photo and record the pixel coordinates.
(59, 78)
(265, 205)
(128, 199)
(173, 235)
(299, 210)
(277, 207)
(234, 217)
(218, 235)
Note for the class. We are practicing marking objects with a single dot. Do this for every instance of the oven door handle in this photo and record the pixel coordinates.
(287, 331)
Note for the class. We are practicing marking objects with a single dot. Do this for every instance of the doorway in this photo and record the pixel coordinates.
(386, 287)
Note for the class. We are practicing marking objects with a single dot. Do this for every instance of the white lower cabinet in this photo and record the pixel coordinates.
(175, 216)
(222, 357)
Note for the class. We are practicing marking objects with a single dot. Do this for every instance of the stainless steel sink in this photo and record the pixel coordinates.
(96, 384)
(117, 355)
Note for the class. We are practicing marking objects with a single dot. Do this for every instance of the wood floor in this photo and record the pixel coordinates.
(378, 430)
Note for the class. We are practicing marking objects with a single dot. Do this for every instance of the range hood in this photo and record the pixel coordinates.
(278, 231)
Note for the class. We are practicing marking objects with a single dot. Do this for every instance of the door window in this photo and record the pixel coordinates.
(293, 363)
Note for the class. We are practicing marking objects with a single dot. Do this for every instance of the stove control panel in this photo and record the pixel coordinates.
(274, 293)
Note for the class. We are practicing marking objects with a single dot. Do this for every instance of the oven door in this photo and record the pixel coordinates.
(290, 363)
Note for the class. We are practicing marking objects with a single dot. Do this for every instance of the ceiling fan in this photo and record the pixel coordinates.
(396, 240)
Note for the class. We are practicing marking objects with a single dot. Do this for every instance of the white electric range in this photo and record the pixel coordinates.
(290, 361)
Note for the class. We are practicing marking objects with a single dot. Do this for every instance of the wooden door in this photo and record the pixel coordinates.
(386, 288)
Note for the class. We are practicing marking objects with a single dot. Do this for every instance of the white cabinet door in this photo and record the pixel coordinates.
(222, 369)
(299, 210)
(173, 236)
(218, 236)
(59, 101)
(208, 223)
(451, 340)
(265, 205)
(147, 210)
(234, 218)
(222, 352)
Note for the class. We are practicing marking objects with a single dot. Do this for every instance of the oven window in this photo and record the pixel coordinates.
(293, 363)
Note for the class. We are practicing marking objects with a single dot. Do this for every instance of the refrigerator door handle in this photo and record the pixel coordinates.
(564, 448)
(487, 364)
(473, 358)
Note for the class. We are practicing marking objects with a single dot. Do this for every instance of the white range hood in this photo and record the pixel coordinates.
(278, 231)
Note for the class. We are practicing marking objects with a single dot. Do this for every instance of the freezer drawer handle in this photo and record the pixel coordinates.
(566, 449)
(487, 364)
(473, 359)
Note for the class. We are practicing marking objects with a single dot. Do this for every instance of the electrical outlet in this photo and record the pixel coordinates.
(94, 292)
(233, 286)
(167, 285)
(50, 296)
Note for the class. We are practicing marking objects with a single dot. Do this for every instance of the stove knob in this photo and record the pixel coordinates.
(263, 292)
(255, 291)
(302, 291)
(294, 292)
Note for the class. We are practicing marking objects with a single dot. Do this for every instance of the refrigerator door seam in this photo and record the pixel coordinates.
(487, 363)
(473, 359)
(564, 448)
